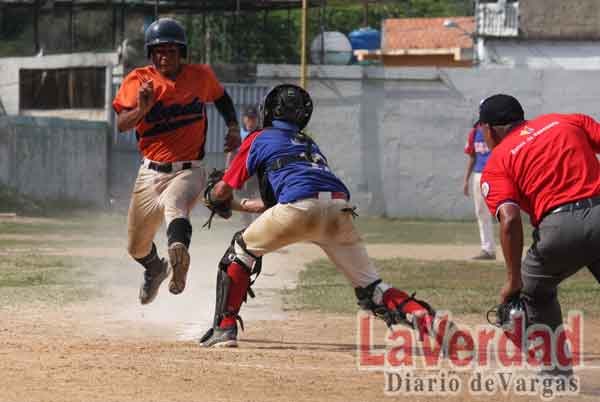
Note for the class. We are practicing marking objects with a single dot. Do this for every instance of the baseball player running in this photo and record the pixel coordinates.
(165, 103)
(546, 167)
(302, 200)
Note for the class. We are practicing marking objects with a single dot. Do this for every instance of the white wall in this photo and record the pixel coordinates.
(559, 55)
(396, 136)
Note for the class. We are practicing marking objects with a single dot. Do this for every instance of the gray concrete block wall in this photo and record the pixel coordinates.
(56, 159)
(396, 137)
(559, 19)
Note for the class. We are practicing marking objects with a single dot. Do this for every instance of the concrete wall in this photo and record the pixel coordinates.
(540, 54)
(559, 19)
(396, 136)
(50, 158)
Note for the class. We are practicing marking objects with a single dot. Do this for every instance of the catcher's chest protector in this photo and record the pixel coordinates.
(266, 189)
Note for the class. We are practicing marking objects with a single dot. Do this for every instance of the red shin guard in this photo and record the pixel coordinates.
(393, 297)
(240, 281)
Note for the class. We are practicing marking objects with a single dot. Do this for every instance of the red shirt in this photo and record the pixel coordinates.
(544, 163)
(175, 128)
(237, 172)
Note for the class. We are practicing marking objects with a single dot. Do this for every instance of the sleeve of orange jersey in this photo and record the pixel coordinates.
(211, 82)
(127, 95)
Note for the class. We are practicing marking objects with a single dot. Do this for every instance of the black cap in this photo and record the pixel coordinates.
(250, 111)
(500, 109)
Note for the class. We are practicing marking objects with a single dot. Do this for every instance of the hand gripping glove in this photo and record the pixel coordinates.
(216, 207)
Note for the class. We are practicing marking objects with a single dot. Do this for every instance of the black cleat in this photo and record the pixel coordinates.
(220, 338)
(152, 281)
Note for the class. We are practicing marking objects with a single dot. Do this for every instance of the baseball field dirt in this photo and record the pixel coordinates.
(106, 347)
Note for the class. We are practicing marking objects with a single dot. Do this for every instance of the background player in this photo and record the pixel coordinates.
(165, 103)
(306, 202)
(250, 189)
(546, 167)
(479, 152)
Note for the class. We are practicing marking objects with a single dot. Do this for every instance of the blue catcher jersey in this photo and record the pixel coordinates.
(295, 180)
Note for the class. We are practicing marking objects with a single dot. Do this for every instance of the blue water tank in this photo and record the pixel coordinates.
(365, 38)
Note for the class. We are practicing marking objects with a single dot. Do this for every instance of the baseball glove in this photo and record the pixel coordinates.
(504, 315)
(216, 207)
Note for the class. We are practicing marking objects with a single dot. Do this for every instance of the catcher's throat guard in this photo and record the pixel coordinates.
(236, 252)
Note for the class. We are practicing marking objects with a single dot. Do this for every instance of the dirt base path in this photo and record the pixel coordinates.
(111, 349)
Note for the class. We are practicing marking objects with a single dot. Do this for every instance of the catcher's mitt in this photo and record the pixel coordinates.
(216, 207)
(504, 315)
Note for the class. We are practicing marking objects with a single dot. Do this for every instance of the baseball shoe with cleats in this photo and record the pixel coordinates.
(220, 338)
(485, 255)
(152, 282)
(179, 258)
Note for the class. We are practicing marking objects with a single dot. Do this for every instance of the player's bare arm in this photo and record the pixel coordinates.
(221, 191)
(468, 172)
(250, 205)
(511, 237)
(127, 119)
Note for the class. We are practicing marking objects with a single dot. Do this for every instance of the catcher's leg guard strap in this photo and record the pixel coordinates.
(179, 231)
(372, 295)
(390, 304)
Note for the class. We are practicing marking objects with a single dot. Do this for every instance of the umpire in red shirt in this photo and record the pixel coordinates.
(546, 167)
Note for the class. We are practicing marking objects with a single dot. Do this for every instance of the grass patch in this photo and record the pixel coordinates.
(459, 286)
(55, 279)
(385, 230)
(79, 223)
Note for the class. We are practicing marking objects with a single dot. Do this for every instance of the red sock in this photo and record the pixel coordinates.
(240, 280)
(393, 297)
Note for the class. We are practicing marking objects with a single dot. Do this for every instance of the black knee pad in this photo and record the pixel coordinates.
(179, 231)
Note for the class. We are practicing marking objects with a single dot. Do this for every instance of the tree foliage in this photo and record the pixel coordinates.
(258, 37)
(274, 37)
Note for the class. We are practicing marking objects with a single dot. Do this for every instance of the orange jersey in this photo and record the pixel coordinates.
(175, 128)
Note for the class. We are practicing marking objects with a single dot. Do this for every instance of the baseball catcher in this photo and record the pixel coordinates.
(165, 103)
(301, 200)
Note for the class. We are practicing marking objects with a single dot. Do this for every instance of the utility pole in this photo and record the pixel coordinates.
(303, 44)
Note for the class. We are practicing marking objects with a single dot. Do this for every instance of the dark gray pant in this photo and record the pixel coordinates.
(563, 243)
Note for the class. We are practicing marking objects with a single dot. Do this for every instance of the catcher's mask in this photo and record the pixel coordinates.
(286, 102)
(507, 313)
(165, 30)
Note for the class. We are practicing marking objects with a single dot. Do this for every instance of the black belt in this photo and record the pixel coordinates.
(575, 205)
(167, 167)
